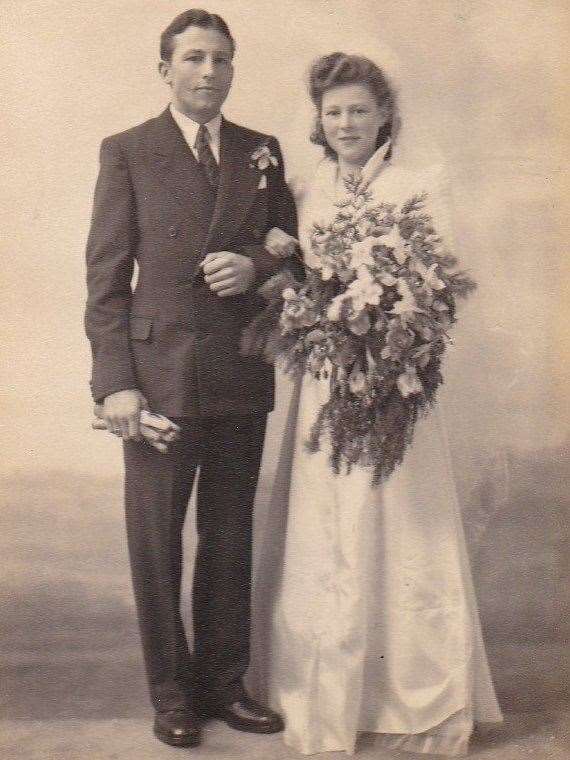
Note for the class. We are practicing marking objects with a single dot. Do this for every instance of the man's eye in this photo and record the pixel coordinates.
(194, 58)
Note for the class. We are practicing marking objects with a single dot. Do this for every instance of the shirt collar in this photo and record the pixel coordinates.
(190, 127)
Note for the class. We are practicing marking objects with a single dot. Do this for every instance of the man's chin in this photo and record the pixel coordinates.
(201, 111)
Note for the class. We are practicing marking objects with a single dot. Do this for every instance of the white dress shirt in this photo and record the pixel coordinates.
(190, 128)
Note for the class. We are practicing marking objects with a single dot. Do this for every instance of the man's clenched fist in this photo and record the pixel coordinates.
(228, 273)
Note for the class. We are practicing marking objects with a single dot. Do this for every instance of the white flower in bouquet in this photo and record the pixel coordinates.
(429, 275)
(365, 290)
(409, 383)
(326, 265)
(395, 241)
(335, 307)
(326, 271)
(387, 279)
(362, 252)
(407, 304)
(298, 310)
(357, 381)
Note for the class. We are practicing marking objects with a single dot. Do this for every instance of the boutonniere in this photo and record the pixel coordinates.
(263, 158)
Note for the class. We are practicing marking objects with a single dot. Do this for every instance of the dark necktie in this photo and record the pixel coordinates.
(206, 157)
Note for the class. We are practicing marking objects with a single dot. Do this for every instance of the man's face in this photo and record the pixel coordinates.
(199, 72)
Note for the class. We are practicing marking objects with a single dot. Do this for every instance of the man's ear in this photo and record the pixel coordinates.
(164, 71)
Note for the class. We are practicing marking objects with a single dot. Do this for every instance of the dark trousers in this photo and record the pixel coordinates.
(227, 451)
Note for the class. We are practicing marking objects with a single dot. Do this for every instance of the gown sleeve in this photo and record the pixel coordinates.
(439, 204)
(468, 401)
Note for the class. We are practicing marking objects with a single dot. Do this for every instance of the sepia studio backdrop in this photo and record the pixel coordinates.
(482, 86)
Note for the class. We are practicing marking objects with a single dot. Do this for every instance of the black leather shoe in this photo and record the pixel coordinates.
(245, 714)
(179, 728)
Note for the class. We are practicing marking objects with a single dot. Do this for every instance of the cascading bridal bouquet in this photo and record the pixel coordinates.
(372, 318)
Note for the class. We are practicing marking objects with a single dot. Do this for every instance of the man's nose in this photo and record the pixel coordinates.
(208, 66)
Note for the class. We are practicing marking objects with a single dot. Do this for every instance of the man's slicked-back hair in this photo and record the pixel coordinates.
(192, 17)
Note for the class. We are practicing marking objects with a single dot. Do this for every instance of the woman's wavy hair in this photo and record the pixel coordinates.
(338, 69)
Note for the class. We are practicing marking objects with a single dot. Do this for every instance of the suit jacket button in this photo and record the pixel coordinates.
(173, 231)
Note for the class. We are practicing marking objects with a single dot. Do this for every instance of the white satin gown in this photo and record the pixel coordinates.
(365, 618)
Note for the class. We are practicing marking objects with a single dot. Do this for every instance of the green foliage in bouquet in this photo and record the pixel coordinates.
(373, 318)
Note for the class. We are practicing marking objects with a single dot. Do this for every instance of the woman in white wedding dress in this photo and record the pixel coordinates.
(373, 626)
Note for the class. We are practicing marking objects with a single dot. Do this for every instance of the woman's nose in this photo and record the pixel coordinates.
(345, 120)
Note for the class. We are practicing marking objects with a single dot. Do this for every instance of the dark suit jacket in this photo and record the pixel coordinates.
(170, 336)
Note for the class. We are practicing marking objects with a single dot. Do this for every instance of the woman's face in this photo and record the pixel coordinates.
(351, 118)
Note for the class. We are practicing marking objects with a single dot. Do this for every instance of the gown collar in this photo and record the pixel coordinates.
(327, 178)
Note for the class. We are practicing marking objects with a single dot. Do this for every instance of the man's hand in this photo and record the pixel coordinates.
(121, 412)
(227, 273)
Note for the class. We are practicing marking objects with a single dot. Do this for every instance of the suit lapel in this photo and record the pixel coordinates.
(176, 168)
(238, 185)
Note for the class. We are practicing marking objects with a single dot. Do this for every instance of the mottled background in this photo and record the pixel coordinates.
(483, 85)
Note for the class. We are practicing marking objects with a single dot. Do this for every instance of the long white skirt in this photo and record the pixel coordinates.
(364, 614)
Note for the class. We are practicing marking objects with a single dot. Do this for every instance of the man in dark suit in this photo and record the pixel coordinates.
(189, 197)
